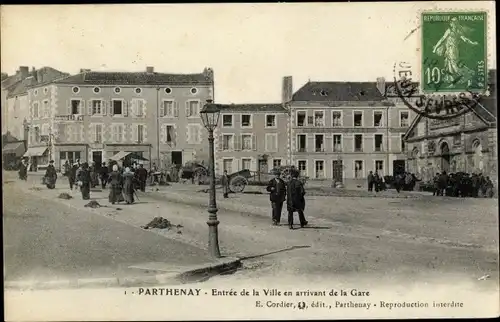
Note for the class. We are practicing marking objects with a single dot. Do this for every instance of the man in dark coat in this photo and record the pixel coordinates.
(128, 185)
(103, 175)
(295, 201)
(370, 181)
(277, 194)
(116, 181)
(85, 181)
(225, 184)
(72, 175)
(376, 181)
(442, 183)
(51, 175)
(23, 170)
(399, 181)
(435, 182)
(142, 176)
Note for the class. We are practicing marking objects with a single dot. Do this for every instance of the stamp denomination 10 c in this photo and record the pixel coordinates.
(454, 52)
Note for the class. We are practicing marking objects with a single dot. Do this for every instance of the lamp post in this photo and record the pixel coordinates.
(210, 117)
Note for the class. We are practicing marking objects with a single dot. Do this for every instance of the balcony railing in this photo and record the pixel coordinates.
(68, 118)
(301, 149)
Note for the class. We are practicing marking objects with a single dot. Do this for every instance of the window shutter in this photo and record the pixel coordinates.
(124, 108)
(176, 109)
(188, 111)
(189, 130)
(104, 107)
(162, 109)
(254, 143)
(163, 134)
(200, 134)
(237, 142)
(220, 142)
(135, 133)
(144, 109)
(82, 107)
(275, 143)
(111, 111)
(124, 131)
(91, 133)
(113, 133)
(133, 107)
(68, 106)
(89, 107)
(266, 143)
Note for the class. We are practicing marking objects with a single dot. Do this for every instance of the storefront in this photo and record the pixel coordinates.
(12, 153)
(70, 153)
(127, 154)
(38, 156)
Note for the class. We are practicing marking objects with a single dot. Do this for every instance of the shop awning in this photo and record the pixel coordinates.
(120, 155)
(35, 151)
(16, 148)
(135, 156)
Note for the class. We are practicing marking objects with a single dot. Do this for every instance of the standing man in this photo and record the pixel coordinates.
(103, 174)
(51, 175)
(142, 176)
(277, 194)
(72, 175)
(86, 180)
(225, 184)
(370, 181)
(295, 200)
(23, 170)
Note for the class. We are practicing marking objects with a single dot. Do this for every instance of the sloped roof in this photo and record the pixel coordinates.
(338, 91)
(135, 78)
(9, 81)
(242, 108)
(21, 87)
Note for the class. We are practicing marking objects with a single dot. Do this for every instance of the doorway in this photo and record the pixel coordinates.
(445, 157)
(97, 158)
(177, 157)
(338, 170)
(398, 167)
(263, 168)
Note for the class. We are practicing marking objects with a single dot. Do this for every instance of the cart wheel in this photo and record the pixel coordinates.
(237, 184)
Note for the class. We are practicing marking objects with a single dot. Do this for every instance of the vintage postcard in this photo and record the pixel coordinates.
(249, 161)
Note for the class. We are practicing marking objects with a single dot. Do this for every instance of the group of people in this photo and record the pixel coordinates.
(462, 184)
(293, 192)
(401, 181)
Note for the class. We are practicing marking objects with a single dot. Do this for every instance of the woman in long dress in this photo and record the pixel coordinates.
(448, 47)
(115, 180)
(84, 178)
(128, 186)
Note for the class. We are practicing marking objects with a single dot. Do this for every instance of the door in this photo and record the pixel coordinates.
(177, 157)
(398, 167)
(337, 168)
(97, 158)
(263, 168)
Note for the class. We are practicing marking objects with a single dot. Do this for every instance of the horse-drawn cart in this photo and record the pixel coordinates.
(239, 180)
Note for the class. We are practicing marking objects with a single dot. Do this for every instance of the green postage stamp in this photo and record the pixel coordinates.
(454, 52)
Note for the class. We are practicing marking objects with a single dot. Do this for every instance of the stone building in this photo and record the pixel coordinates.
(466, 143)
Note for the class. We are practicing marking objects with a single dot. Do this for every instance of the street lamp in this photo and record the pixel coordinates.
(210, 117)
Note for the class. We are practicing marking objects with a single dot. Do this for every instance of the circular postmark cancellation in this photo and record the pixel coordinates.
(439, 106)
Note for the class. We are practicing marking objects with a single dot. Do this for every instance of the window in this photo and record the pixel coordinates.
(276, 163)
(169, 137)
(377, 119)
(192, 108)
(270, 120)
(301, 118)
(138, 90)
(35, 92)
(45, 91)
(45, 129)
(379, 167)
(246, 164)
(46, 108)
(97, 90)
(337, 143)
(117, 107)
(76, 107)
(358, 118)
(403, 119)
(302, 143)
(35, 110)
(140, 133)
(336, 118)
(37, 134)
(246, 142)
(302, 167)
(194, 90)
(62, 155)
(168, 90)
(227, 142)
(358, 143)
(319, 169)
(168, 109)
(379, 142)
(139, 108)
(319, 143)
(271, 142)
(193, 133)
(97, 108)
(227, 120)
(246, 120)
(403, 143)
(76, 90)
(98, 133)
(358, 169)
(117, 132)
(319, 118)
(227, 165)
(118, 90)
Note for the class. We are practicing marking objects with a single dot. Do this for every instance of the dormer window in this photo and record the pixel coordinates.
(323, 93)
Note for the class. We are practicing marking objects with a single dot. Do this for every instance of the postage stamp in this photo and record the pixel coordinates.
(454, 52)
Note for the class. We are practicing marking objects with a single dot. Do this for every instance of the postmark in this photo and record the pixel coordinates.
(454, 52)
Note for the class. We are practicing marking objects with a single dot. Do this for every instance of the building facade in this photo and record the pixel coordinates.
(344, 130)
(92, 116)
(251, 136)
(467, 143)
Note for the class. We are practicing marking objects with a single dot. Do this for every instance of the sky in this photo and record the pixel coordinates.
(249, 46)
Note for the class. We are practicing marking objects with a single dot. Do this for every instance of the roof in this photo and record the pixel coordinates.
(135, 78)
(242, 108)
(338, 91)
(8, 137)
(17, 148)
(21, 87)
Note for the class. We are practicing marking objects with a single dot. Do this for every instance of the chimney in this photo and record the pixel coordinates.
(150, 69)
(39, 76)
(287, 89)
(208, 73)
(381, 85)
(24, 71)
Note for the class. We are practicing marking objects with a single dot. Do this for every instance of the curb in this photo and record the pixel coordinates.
(196, 272)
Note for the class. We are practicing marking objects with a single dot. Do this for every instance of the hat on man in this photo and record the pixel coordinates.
(51, 161)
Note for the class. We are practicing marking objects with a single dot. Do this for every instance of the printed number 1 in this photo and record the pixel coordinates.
(433, 75)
